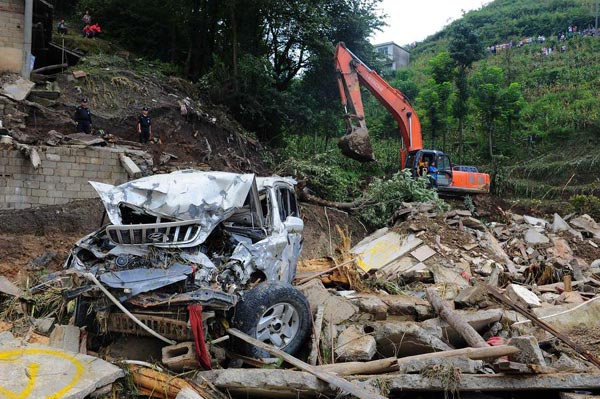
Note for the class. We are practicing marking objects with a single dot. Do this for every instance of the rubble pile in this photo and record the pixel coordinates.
(437, 302)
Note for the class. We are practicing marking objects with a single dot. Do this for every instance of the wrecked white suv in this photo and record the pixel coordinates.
(228, 242)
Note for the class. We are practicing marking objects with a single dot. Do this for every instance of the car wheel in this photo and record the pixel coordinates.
(275, 313)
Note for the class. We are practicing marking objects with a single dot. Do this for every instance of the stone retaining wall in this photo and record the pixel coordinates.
(62, 177)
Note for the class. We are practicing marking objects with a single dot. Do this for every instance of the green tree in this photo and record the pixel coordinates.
(495, 102)
(465, 47)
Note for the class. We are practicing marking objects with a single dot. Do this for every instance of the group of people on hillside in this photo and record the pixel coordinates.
(83, 118)
(89, 29)
(570, 32)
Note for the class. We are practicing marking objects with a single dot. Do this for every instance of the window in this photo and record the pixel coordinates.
(287, 203)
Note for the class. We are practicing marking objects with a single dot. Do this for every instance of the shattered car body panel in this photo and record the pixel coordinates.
(192, 237)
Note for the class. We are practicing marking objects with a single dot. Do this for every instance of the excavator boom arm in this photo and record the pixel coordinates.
(351, 73)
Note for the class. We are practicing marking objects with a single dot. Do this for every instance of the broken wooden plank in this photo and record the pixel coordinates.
(339, 382)
(316, 338)
(491, 352)
(356, 368)
(456, 321)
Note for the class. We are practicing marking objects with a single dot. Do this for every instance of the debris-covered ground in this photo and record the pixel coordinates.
(435, 303)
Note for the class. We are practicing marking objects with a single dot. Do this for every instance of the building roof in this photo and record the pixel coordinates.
(390, 43)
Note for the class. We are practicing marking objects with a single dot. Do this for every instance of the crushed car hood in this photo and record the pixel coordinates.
(206, 198)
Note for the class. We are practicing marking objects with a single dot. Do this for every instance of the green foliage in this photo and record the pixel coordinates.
(586, 204)
(385, 196)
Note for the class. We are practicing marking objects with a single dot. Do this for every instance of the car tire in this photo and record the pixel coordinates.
(275, 313)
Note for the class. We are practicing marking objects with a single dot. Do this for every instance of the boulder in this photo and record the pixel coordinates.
(353, 344)
(533, 237)
(522, 295)
(530, 351)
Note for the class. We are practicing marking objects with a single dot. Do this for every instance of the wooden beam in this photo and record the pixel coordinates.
(339, 382)
(455, 320)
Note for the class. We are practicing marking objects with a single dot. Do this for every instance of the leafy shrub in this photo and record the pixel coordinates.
(384, 197)
(586, 204)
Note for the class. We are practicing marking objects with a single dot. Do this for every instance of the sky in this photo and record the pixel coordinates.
(413, 21)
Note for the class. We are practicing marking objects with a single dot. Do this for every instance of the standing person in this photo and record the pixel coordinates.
(62, 27)
(83, 117)
(433, 173)
(87, 18)
(144, 126)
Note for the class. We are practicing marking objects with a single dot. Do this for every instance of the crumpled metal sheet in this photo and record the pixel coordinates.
(146, 279)
(182, 195)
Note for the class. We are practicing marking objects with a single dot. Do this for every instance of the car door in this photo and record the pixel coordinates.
(290, 228)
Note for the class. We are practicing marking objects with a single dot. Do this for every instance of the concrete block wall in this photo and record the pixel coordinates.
(11, 35)
(62, 177)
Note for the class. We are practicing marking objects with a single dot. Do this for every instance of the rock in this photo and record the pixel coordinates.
(21, 137)
(559, 224)
(373, 305)
(65, 337)
(533, 237)
(353, 344)
(443, 274)
(530, 351)
(570, 297)
(5, 337)
(337, 309)
(405, 305)
(561, 250)
(595, 264)
(534, 221)
(43, 326)
(465, 365)
(18, 89)
(517, 218)
(586, 223)
(566, 363)
(43, 260)
(522, 295)
(471, 296)
(405, 338)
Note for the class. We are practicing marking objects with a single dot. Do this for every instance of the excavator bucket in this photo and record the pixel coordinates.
(357, 145)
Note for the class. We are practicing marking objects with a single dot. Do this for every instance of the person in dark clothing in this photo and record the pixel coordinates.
(83, 117)
(144, 126)
(433, 173)
(62, 27)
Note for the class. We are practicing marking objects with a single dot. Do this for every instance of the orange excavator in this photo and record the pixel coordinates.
(356, 144)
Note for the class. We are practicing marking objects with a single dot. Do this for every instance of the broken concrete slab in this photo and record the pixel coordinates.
(404, 339)
(472, 296)
(17, 90)
(559, 224)
(130, 167)
(568, 364)
(522, 295)
(587, 224)
(50, 372)
(399, 384)
(534, 237)
(8, 288)
(65, 337)
(404, 305)
(382, 249)
(337, 309)
(188, 393)
(260, 382)
(43, 326)
(442, 274)
(465, 365)
(84, 139)
(534, 221)
(561, 250)
(423, 253)
(373, 305)
(530, 351)
(353, 344)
